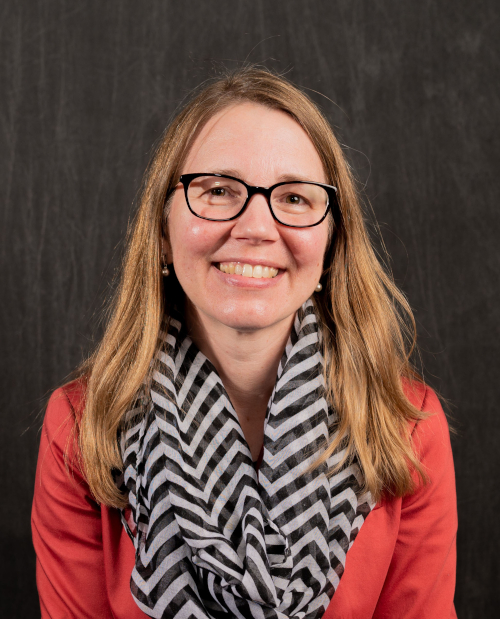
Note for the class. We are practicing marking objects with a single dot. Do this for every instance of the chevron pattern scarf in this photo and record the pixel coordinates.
(214, 537)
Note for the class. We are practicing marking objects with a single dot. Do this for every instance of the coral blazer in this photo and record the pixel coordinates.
(401, 565)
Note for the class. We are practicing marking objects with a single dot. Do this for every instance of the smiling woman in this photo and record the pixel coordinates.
(249, 439)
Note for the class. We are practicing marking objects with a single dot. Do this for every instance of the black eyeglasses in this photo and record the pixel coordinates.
(298, 204)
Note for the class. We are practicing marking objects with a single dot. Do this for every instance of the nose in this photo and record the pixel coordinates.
(256, 223)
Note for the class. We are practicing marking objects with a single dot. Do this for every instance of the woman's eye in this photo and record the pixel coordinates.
(218, 191)
(293, 199)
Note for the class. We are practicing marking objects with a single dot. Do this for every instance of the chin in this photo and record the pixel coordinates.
(247, 318)
(245, 326)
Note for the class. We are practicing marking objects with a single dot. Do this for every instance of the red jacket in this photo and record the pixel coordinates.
(401, 565)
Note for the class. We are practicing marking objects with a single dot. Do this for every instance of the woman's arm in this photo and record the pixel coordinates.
(66, 524)
(421, 578)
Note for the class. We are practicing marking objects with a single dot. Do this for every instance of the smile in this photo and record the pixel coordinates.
(247, 270)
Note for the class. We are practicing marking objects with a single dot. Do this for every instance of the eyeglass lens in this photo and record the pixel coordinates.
(293, 204)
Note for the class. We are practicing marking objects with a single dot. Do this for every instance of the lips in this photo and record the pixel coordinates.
(244, 269)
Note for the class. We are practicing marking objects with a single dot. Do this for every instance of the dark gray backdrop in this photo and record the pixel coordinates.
(86, 89)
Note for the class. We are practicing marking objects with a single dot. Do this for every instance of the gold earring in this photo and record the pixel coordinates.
(164, 269)
(318, 288)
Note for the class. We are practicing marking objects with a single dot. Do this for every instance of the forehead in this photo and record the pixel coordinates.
(258, 142)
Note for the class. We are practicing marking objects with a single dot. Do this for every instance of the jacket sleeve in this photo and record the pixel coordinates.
(66, 524)
(421, 577)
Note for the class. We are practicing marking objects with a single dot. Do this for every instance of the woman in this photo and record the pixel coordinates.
(249, 439)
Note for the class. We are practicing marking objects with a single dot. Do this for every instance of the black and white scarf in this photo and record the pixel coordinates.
(214, 537)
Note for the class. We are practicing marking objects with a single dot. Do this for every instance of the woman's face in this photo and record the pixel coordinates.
(262, 147)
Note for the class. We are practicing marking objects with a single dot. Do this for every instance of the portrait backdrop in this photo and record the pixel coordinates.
(412, 89)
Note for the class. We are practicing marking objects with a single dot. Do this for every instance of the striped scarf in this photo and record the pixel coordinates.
(214, 537)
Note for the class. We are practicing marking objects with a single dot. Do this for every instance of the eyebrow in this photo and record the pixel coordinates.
(283, 178)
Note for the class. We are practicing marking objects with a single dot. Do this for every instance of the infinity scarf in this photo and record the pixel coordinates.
(214, 537)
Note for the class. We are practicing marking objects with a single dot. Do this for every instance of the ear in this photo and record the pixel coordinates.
(166, 250)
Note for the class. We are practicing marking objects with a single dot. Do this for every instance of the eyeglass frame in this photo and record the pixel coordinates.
(186, 179)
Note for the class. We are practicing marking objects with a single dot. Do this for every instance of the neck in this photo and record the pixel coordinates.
(247, 363)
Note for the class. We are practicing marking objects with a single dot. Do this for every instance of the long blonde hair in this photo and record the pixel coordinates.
(368, 326)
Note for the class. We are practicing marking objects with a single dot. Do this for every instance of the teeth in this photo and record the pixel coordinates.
(246, 270)
(257, 271)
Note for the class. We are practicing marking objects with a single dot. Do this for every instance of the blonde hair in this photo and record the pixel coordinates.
(368, 326)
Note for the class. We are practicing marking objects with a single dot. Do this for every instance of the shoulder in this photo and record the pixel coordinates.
(62, 418)
(430, 438)
(434, 425)
(67, 401)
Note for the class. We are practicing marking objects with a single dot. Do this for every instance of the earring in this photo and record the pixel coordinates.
(164, 269)
(318, 288)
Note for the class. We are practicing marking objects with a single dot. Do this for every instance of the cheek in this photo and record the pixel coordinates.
(193, 239)
(308, 248)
